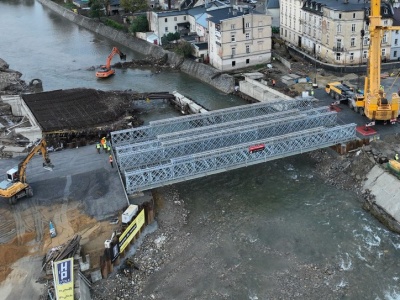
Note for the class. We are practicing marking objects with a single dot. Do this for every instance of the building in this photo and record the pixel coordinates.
(395, 44)
(272, 8)
(238, 38)
(333, 31)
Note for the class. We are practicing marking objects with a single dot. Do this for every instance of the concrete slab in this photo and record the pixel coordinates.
(386, 189)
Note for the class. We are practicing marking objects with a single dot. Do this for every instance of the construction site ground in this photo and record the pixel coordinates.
(81, 195)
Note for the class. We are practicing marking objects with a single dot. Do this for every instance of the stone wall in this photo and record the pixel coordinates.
(205, 73)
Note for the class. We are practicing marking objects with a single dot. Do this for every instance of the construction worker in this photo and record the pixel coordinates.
(110, 159)
(98, 147)
(273, 82)
(396, 157)
(105, 145)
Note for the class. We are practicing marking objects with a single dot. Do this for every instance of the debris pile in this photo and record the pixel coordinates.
(66, 250)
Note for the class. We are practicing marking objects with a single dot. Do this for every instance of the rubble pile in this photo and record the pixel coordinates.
(155, 63)
(127, 281)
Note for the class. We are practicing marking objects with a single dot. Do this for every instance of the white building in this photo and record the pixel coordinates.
(238, 39)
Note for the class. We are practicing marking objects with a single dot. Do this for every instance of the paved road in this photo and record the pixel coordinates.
(79, 175)
(346, 115)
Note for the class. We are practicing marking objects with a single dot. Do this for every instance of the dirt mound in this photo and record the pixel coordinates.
(11, 252)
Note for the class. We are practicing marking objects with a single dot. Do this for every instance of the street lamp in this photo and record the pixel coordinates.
(315, 85)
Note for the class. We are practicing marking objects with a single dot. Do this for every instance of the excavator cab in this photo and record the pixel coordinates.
(12, 174)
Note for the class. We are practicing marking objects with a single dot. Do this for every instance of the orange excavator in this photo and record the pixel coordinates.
(106, 71)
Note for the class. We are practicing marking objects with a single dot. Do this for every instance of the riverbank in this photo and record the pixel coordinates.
(203, 72)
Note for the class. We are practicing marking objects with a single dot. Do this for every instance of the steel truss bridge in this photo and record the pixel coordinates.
(183, 148)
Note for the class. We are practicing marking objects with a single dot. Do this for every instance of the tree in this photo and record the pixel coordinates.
(134, 5)
(96, 8)
(184, 48)
(139, 24)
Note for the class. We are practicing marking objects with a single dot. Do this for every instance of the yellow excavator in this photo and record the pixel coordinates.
(15, 186)
(374, 103)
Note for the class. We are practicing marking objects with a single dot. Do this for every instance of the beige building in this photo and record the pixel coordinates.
(238, 38)
(334, 31)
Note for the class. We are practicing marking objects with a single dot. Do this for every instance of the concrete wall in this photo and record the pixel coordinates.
(260, 92)
(200, 71)
(386, 189)
(19, 108)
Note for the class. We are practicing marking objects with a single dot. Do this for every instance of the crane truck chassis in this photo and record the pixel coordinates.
(15, 186)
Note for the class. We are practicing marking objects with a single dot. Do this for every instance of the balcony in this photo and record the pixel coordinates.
(339, 49)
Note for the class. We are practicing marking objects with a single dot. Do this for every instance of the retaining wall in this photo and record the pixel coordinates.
(205, 73)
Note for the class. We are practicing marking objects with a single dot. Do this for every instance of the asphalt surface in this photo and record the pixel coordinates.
(347, 116)
(79, 174)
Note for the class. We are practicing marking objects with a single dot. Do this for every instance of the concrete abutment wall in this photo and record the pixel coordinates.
(205, 73)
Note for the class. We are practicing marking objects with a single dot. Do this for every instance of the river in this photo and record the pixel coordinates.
(282, 206)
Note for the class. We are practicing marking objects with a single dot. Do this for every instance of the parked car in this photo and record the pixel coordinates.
(252, 1)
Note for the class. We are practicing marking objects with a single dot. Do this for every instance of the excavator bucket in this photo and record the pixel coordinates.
(122, 56)
(48, 166)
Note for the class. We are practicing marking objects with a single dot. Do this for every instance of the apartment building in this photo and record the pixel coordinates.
(395, 45)
(238, 38)
(335, 31)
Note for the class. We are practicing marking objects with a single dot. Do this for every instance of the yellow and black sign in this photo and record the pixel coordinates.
(133, 228)
(63, 273)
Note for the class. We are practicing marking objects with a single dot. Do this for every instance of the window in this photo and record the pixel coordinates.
(354, 15)
(397, 32)
(232, 26)
(315, 20)
(383, 53)
(233, 51)
(396, 41)
(353, 42)
(175, 19)
(247, 61)
(395, 54)
(338, 28)
(338, 56)
(247, 35)
(327, 39)
(247, 25)
(309, 17)
(315, 32)
(339, 44)
(247, 48)
(233, 39)
(365, 54)
(340, 16)
(385, 11)
(176, 28)
(184, 17)
(166, 20)
(366, 40)
(353, 27)
(327, 25)
(233, 63)
(166, 29)
(385, 22)
(351, 56)
(384, 38)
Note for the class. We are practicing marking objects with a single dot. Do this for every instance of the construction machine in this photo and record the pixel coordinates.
(15, 186)
(106, 71)
(374, 103)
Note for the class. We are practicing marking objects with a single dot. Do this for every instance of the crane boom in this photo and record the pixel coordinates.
(376, 105)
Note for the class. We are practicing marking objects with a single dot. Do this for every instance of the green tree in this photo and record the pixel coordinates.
(184, 48)
(96, 8)
(139, 24)
(134, 5)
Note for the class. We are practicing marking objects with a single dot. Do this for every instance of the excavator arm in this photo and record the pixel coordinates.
(114, 51)
(41, 146)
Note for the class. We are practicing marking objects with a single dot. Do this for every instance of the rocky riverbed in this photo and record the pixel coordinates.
(165, 250)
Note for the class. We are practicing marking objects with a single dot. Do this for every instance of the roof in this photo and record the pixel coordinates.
(271, 4)
(396, 17)
(216, 16)
(74, 109)
(201, 46)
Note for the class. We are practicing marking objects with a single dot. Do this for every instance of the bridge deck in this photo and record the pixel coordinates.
(199, 145)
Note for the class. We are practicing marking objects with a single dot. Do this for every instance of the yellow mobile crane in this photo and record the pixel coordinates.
(374, 103)
(15, 186)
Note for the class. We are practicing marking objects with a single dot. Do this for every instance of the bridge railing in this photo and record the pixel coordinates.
(224, 159)
(223, 138)
(144, 133)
